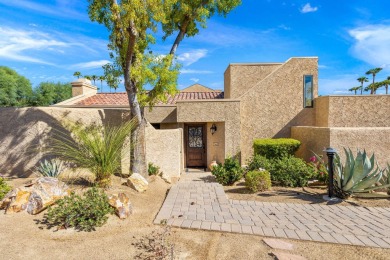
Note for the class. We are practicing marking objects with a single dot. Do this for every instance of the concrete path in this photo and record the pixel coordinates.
(198, 202)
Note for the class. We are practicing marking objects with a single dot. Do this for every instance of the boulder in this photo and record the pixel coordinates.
(35, 196)
(137, 182)
(121, 204)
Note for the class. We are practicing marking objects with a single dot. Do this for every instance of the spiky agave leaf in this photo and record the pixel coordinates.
(348, 166)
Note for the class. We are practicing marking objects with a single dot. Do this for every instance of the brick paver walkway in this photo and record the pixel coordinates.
(199, 203)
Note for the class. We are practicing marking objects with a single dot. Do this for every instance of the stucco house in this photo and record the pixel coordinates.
(259, 100)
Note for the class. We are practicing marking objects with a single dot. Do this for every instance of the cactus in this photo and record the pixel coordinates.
(51, 168)
(357, 175)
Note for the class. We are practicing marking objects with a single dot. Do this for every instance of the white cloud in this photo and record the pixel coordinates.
(307, 8)
(371, 44)
(194, 80)
(90, 64)
(18, 44)
(190, 71)
(191, 57)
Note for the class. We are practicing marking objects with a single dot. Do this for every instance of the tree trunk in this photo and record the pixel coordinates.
(137, 152)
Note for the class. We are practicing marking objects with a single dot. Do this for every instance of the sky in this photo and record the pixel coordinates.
(50, 40)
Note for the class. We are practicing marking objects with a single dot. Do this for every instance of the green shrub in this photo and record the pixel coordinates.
(4, 188)
(84, 213)
(51, 168)
(95, 147)
(229, 172)
(291, 172)
(153, 169)
(275, 148)
(258, 180)
(259, 162)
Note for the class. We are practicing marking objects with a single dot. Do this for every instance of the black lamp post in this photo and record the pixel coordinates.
(330, 152)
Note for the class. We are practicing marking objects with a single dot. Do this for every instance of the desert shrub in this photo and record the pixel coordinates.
(153, 169)
(275, 148)
(229, 172)
(257, 162)
(83, 213)
(4, 188)
(258, 180)
(291, 172)
(51, 168)
(320, 169)
(95, 147)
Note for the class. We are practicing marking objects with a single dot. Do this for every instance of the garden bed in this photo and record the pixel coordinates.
(311, 195)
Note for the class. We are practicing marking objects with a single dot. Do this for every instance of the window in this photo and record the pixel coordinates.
(308, 91)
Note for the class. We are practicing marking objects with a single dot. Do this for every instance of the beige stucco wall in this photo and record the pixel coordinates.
(213, 111)
(353, 111)
(216, 143)
(372, 139)
(239, 78)
(274, 104)
(164, 148)
(24, 132)
(161, 114)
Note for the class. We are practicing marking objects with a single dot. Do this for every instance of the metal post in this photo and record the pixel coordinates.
(330, 152)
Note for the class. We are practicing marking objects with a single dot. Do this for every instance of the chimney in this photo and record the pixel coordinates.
(83, 87)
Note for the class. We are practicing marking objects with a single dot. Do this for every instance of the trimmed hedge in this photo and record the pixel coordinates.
(275, 148)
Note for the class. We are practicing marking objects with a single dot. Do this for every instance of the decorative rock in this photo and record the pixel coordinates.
(278, 244)
(121, 204)
(166, 177)
(137, 182)
(35, 196)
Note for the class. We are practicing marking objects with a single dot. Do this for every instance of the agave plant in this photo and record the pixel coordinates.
(51, 168)
(358, 175)
(386, 178)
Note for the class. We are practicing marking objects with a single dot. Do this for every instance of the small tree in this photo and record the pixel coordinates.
(373, 72)
(362, 80)
(354, 89)
(131, 26)
(77, 74)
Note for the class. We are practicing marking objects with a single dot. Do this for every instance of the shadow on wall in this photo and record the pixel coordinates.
(25, 133)
(306, 117)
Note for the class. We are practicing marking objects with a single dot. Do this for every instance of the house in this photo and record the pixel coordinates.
(199, 125)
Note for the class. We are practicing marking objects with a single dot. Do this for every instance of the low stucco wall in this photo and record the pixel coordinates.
(24, 133)
(372, 139)
(353, 111)
(164, 149)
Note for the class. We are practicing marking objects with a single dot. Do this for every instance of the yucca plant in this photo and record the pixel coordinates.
(51, 168)
(95, 147)
(358, 175)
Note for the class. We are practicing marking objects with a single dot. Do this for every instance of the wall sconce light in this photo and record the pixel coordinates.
(213, 129)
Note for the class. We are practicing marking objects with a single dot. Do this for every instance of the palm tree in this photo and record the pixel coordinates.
(362, 80)
(354, 89)
(87, 77)
(94, 78)
(77, 74)
(101, 78)
(385, 84)
(373, 72)
(373, 87)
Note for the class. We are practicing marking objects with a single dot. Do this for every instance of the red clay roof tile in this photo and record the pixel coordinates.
(120, 99)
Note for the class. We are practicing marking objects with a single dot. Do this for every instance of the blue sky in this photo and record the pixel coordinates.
(49, 40)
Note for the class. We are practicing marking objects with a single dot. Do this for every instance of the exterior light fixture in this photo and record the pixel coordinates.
(330, 152)
(213, 129)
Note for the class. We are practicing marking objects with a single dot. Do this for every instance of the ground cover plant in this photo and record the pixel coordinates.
(229, 172)
(258, 180)
(4, 188)
(95, 147)
(83, 213)
(153, 169)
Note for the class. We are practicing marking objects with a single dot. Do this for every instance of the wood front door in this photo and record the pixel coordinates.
(195, 146)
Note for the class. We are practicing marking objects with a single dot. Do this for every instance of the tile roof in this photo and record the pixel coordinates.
(120, 99)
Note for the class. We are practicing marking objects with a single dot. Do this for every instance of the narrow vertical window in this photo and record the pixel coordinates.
(308, 91)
